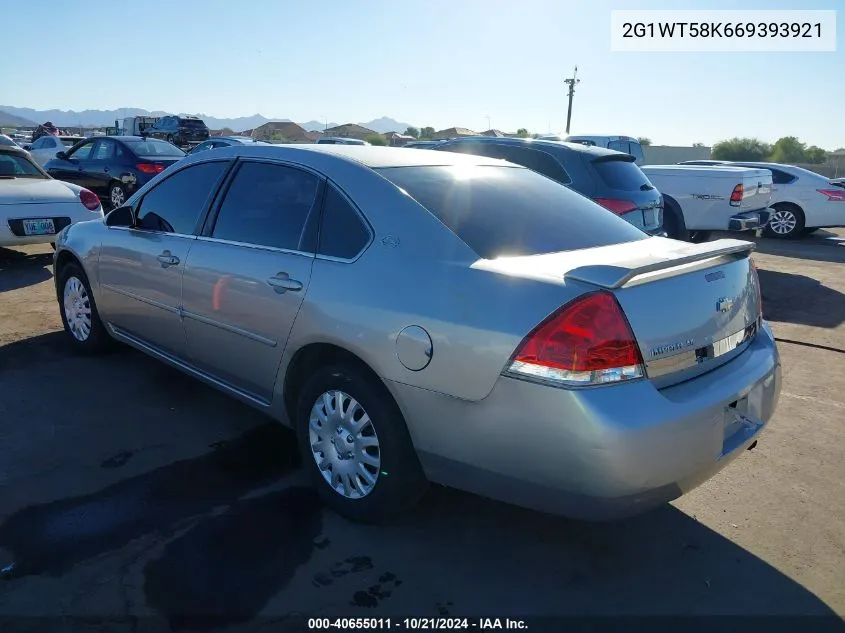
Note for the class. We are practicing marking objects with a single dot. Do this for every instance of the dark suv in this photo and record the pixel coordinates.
(610, 178)
(182, 131)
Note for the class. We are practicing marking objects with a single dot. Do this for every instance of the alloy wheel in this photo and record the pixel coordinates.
(783, 222)
(117, 197)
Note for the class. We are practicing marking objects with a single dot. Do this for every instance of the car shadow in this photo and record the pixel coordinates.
(218, 549)
(822, 246)
(20, 270)
(792, 298)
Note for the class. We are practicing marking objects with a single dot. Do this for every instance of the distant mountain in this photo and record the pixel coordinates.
(8, 119)
(384, 125)
(96, 118)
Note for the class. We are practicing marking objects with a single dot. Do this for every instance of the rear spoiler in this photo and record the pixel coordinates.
(612, 276)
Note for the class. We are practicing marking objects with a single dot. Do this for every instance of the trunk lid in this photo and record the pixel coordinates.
(35, 191)
(692, 307)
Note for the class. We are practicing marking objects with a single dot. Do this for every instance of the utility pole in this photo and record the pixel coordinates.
(571, 83)
(488, 122)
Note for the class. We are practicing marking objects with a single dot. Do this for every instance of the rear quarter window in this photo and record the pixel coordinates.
(510, 211)
(622, 175)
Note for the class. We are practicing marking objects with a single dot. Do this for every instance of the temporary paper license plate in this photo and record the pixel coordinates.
(39, 227)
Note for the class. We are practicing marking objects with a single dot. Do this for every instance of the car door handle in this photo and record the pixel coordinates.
(167, 259)
(282, 283)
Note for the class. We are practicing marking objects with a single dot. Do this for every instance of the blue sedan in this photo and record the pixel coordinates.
(113, 167)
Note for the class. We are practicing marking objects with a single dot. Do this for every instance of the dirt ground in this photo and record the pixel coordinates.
(128, 489)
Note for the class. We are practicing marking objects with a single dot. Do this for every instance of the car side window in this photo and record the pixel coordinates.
(476, 149)
(781, 177)
(103, 150)
(343, 232)
(38, 144)
(83, 152)
(175, 204)
(268, 205)
(539, 161)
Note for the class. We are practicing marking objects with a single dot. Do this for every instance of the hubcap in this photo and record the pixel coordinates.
(783, 222)
(344, 444)
(117, 196)
(77, 307)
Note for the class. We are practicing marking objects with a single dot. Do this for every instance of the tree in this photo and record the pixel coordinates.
(522, 133)
(412, 131)
(644, 140)
(788, 149)
(376, 139)
(426, 133)
(747, 149)
(815, 155)
(698, 144)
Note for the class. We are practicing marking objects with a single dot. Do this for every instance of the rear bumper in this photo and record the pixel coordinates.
(750, 220)
(599, 453)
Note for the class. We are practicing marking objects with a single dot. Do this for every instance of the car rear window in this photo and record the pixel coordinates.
(621, 174)
(510, 211)
(153, 147)
(192, 123)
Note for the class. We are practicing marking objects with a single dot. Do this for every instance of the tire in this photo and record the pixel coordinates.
(396, 480)
(810, 230)
(787, 222)
(117, 195)
(673, 222)
(75, 299)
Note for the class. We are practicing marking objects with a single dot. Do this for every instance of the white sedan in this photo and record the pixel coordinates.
(33, 206)
(802, 200)
(45, 148)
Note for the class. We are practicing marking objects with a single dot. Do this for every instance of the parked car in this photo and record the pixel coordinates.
(45, 148)
(598, 371)
(609, 178)
(182, 131)
(226, 141)
(626, 144)
(701, 199)
(34, 206)
(802, 200)
(340, 140)
(114, 167)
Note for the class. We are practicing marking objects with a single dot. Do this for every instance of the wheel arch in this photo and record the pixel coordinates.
(312, 355)
(673, 207)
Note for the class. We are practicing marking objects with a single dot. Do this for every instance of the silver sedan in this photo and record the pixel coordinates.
(426, 316)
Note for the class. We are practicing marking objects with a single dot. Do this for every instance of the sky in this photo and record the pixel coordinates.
(439, 63)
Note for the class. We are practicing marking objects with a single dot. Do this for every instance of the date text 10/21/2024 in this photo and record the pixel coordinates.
(434, 624)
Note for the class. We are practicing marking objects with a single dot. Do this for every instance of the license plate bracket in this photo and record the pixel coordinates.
(39, 226)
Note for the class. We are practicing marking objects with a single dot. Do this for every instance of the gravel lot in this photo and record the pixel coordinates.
(127, 489)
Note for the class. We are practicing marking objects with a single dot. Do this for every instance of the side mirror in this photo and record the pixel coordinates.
(61, 155)
(122, 216)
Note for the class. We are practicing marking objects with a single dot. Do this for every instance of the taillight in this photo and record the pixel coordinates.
(586, 342)
(617, 206)
(150, 168)
(758, 288)
(89, 200)
(736, 195)
(833, 195)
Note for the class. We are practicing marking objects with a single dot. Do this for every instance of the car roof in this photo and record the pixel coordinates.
(14, 149)
(373, 156)
(539, 144)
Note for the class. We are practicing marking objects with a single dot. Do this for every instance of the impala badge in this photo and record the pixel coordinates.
(724, 305)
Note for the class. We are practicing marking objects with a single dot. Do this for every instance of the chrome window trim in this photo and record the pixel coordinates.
(258, 247)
